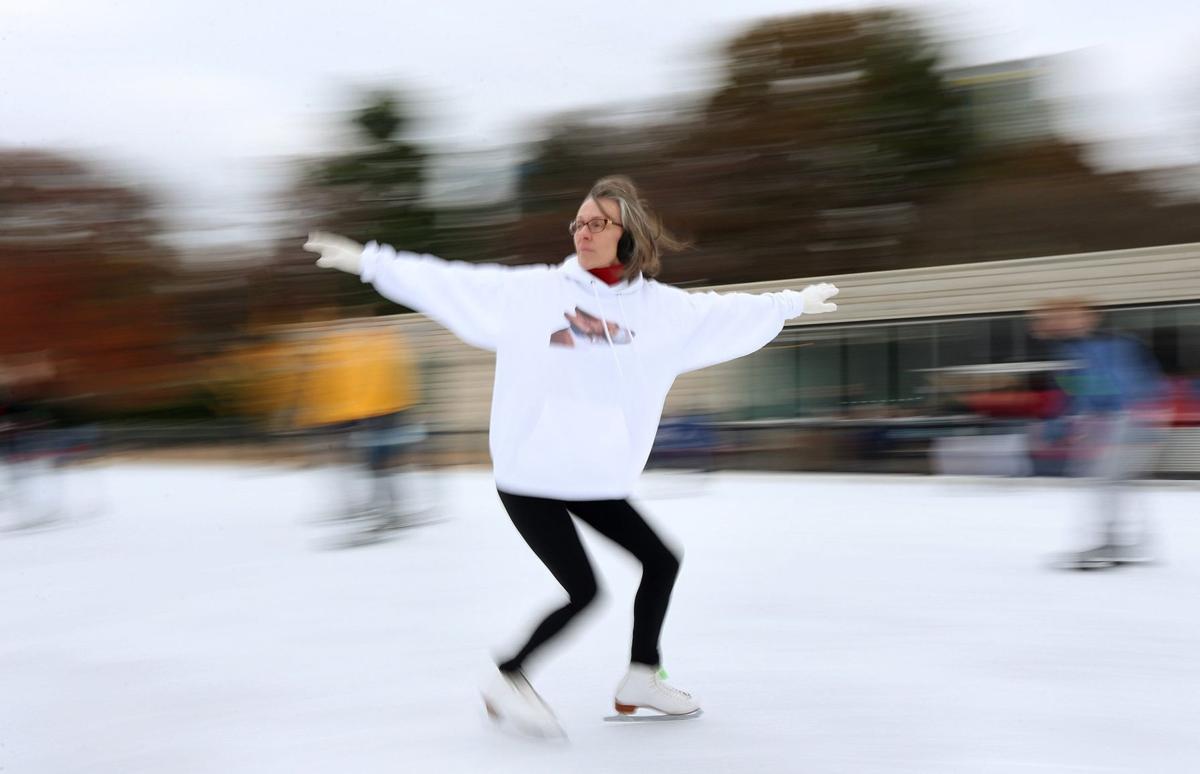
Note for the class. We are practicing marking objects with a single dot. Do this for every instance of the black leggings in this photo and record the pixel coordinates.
(547, 527)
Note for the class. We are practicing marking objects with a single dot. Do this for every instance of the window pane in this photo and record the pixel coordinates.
(963, 342)
(818, 365)
(868, 367)
(1188, 326)
(772, 383)
(915, 351)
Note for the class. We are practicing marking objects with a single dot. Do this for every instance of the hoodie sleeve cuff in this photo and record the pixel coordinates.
(793, 304)
(369, 262)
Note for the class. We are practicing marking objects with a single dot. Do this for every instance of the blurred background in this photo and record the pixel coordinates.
(948, 165)
(186, 391)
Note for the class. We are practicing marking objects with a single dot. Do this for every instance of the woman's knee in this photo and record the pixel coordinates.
(664, 564)
(583, 595)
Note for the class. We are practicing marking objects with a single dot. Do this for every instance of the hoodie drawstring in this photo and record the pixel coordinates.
(608, 336)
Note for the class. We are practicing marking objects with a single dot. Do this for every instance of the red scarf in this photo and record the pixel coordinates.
(609, 275)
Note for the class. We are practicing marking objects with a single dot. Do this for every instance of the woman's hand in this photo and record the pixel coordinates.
(337, 252)
(816, 298)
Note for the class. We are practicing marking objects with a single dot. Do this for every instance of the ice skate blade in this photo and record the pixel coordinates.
(653, 718)
(1084, 566)
(521, 730)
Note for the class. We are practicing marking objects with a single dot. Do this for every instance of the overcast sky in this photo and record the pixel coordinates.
(205, 99)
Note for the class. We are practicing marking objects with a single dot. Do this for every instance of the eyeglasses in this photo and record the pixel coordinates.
(595, 225)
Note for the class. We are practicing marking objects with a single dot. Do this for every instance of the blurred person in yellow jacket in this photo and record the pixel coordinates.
(355, 387)
(353, 374)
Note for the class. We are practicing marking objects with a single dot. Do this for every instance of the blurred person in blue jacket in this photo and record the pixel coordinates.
(1110, 423)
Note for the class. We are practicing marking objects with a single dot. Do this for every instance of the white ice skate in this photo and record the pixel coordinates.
(511, 701)
(643, 688)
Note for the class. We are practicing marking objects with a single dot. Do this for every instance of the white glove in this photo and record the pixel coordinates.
(815, 298)
(337, 252)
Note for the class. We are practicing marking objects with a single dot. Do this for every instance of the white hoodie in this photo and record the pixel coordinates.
(582, 368)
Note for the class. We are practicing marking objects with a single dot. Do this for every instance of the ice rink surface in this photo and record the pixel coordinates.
(195, 619)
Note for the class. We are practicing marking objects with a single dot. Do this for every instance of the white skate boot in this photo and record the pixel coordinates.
(510, 699)
(643, 688)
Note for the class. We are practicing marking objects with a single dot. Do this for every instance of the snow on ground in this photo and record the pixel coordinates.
(200, 622)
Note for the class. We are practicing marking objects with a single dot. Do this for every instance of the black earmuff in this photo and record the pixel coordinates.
(625, 247)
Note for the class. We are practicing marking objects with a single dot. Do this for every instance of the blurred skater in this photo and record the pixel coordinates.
(1110, 425)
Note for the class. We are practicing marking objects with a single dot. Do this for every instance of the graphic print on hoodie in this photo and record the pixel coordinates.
(586, 329)
(577, 422)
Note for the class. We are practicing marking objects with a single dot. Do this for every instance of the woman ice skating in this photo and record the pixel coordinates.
(586, 352)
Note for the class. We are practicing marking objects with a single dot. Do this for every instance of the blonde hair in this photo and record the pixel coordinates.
(650, 238)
